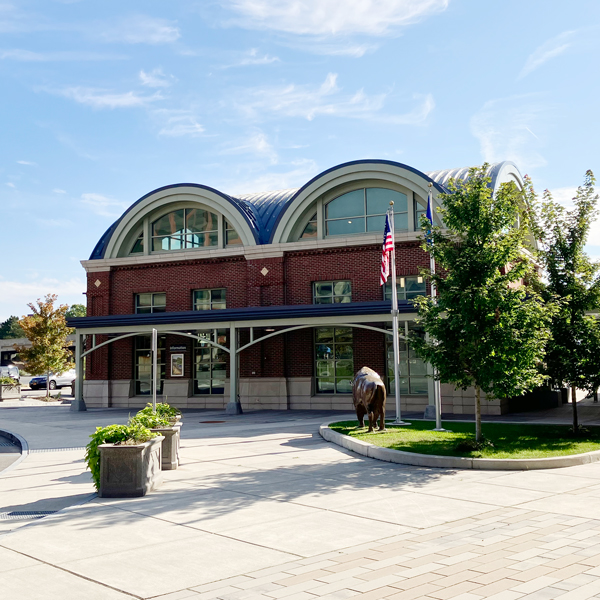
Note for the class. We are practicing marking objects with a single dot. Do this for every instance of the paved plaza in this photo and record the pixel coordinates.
(262, 507)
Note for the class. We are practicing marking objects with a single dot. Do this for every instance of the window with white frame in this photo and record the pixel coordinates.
(334, 360)
(332, 292)
(213, 299)
(407, 288)
(413, 369)
(143, 364)
(185, 228)
(363, 210)
(210, 366)
(150, 303)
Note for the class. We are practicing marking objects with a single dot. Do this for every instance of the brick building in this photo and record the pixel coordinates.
(287, 282)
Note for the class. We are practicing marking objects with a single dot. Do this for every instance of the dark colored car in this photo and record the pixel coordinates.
(12, 372)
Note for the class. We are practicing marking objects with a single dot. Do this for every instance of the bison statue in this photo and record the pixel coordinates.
(368, 396)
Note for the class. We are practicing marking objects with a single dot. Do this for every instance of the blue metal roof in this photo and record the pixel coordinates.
(252, 313)
(264, 210)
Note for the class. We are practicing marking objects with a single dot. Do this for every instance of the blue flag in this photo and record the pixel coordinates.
(429, 215)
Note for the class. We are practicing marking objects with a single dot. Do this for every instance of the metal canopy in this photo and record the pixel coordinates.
(291, 318)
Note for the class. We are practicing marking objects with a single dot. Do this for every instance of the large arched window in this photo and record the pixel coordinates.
(363, 210)
(185, 228)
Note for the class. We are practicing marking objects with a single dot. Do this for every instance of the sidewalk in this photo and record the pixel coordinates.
(262, 507)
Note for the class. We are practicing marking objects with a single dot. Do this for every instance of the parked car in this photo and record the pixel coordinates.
(57, 380)
(12, 372)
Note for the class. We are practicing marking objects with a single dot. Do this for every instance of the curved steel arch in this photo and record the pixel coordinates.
(190, 335)
(296, 327)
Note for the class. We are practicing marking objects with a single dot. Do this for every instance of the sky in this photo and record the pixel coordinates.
(103, 102)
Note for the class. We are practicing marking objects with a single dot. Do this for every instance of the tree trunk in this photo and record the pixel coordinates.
(574, 402)
(478, 414)
(595, 394)
(47, 384)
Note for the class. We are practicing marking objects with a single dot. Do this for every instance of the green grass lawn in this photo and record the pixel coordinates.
(509, 441)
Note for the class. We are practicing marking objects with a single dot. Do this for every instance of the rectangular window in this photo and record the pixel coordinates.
(406, 287)
(332, 292)
(232, 237)
(143, 364)
(210, 366)
(413, 370)
(150, 303)
(334, 360)
(209, 299)
(420, 210)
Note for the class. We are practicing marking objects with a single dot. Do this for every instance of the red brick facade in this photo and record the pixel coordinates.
(289, 280)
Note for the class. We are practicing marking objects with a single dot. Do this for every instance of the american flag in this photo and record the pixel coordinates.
(388, 248)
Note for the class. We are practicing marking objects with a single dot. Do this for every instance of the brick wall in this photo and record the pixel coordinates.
(288, 280)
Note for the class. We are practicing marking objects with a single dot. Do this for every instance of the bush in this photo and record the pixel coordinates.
(162, 409)
(132, 433)
(151, 419)
(8, 381)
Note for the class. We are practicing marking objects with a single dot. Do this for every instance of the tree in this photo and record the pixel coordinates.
(76, 310)
(10, 329)
(486, 328)
(47, 331)
(574, 281)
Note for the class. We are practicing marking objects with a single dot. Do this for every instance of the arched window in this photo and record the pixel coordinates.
(185, 228)
(362, 211)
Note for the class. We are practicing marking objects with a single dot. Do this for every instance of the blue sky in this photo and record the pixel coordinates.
(104, 102)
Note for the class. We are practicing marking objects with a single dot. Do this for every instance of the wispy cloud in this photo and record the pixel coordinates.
(256, 144)
(512, 128)
(99, 98)
(29, 56)
(178, 123)
(59, 191)
(286, 176)
(252, 57)
(548, 50)
(332, 17)
(103, 205)
(10, 184)
(27, 162)
(308, 102)
(17, 294)
(156, 79)
(141, 29)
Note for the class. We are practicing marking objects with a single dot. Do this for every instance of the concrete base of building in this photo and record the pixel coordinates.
(276, 393)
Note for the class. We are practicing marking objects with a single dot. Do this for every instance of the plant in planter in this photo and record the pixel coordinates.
(164, 410)
(165, 426)
(124, 460)
(9, 389)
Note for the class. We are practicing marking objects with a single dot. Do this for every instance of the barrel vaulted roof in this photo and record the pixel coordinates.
(263, 210)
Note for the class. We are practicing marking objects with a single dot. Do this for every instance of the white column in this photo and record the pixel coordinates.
(234, 407)
(78, 403)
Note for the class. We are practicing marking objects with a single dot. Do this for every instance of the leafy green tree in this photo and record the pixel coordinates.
(486, 328)
(47, 331)
(574, 281)
(76, 310)
(10, 329)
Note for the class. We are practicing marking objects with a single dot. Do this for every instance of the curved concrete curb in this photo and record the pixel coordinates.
(15, 438)
(453, 462)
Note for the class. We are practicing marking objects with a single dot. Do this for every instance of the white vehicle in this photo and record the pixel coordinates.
(57, 380)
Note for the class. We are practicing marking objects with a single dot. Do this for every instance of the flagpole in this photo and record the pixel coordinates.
(398, 420)
(437, 395)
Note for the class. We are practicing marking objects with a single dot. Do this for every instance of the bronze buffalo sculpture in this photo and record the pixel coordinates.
(368, 396)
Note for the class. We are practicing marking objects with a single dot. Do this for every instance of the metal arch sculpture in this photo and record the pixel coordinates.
(368, 397)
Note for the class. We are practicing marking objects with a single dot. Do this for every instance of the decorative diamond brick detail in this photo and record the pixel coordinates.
(97, 283)
(264, 271)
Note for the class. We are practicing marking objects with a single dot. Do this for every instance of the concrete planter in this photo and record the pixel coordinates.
(170, 446)
(10, 392)
(130, 471)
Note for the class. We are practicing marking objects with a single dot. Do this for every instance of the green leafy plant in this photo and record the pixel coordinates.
(151, 419)
(132, 433)
(163, 409)
(8, 381)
